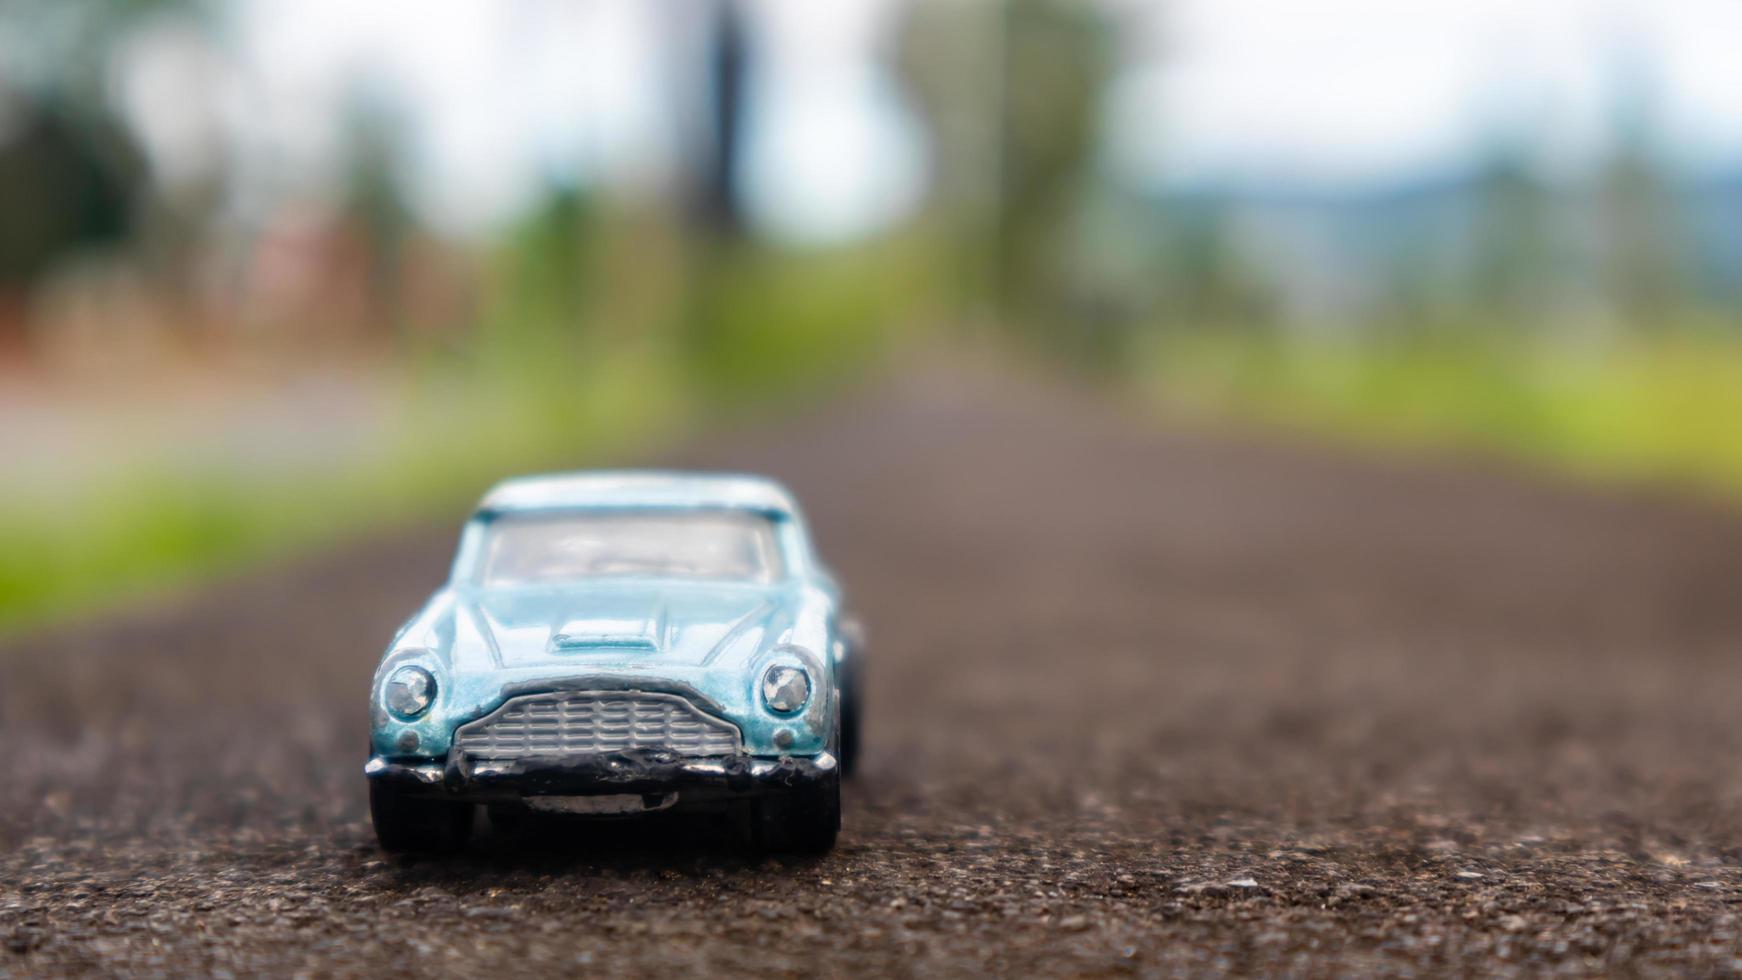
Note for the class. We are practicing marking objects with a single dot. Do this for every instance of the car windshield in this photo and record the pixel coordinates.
(533, 548)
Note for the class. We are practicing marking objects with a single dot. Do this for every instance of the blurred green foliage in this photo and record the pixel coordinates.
(1487, 309)
(561, 370)
(762, 321)
(1655, 408)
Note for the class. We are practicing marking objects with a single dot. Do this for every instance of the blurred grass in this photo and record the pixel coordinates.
(547, 381)
(1648, 408)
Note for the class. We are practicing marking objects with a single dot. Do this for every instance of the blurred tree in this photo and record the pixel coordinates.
(1055, 64)
(1050, 60)
(728, 67)
(1513, 270)
(1207, 280)
(375, 202)
(59, 50)
(1412, 286)
(547, 266)
(73, 176)
(69, 185)
(714, 255)
(1644, 262)
(949, 57)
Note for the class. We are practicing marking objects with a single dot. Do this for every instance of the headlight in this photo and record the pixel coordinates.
(409, 691)
(785, 688)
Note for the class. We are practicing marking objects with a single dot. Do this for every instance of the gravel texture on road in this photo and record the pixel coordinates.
(1140, 700)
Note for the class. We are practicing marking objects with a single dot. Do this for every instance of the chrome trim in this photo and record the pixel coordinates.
(557, 724)
(427, 772)
(738, 774)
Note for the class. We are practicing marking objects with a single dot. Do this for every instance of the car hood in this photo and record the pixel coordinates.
(641, 625)
(708, 641)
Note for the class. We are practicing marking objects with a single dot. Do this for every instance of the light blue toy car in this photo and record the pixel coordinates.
(614, 643)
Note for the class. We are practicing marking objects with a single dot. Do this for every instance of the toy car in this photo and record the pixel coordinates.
(614, 643)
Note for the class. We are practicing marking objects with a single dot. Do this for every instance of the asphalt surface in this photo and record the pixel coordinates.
(1140, 699)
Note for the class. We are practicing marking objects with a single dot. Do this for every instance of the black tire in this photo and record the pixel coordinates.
(852, 711)
(507, 818)
(805, 820)
(410, 823)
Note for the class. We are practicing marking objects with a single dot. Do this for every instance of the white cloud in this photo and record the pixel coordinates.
(500, 94)
(831, 153)
(497, 96)
(1340, 90)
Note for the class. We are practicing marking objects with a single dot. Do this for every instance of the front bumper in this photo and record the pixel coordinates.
(694, 779)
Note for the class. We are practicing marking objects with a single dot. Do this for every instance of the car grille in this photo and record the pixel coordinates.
(569, 723)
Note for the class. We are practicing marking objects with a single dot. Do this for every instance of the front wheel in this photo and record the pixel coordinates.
(852, 710)
(805, 820)
(507, 818)
(410, 823)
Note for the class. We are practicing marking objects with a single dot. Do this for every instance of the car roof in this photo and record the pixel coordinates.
(638, 489)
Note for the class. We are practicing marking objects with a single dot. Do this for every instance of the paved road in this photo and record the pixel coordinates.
(1142, 700)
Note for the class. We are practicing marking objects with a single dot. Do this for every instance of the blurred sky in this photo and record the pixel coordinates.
(497, 96)
(492, 94)
(1341, 91)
